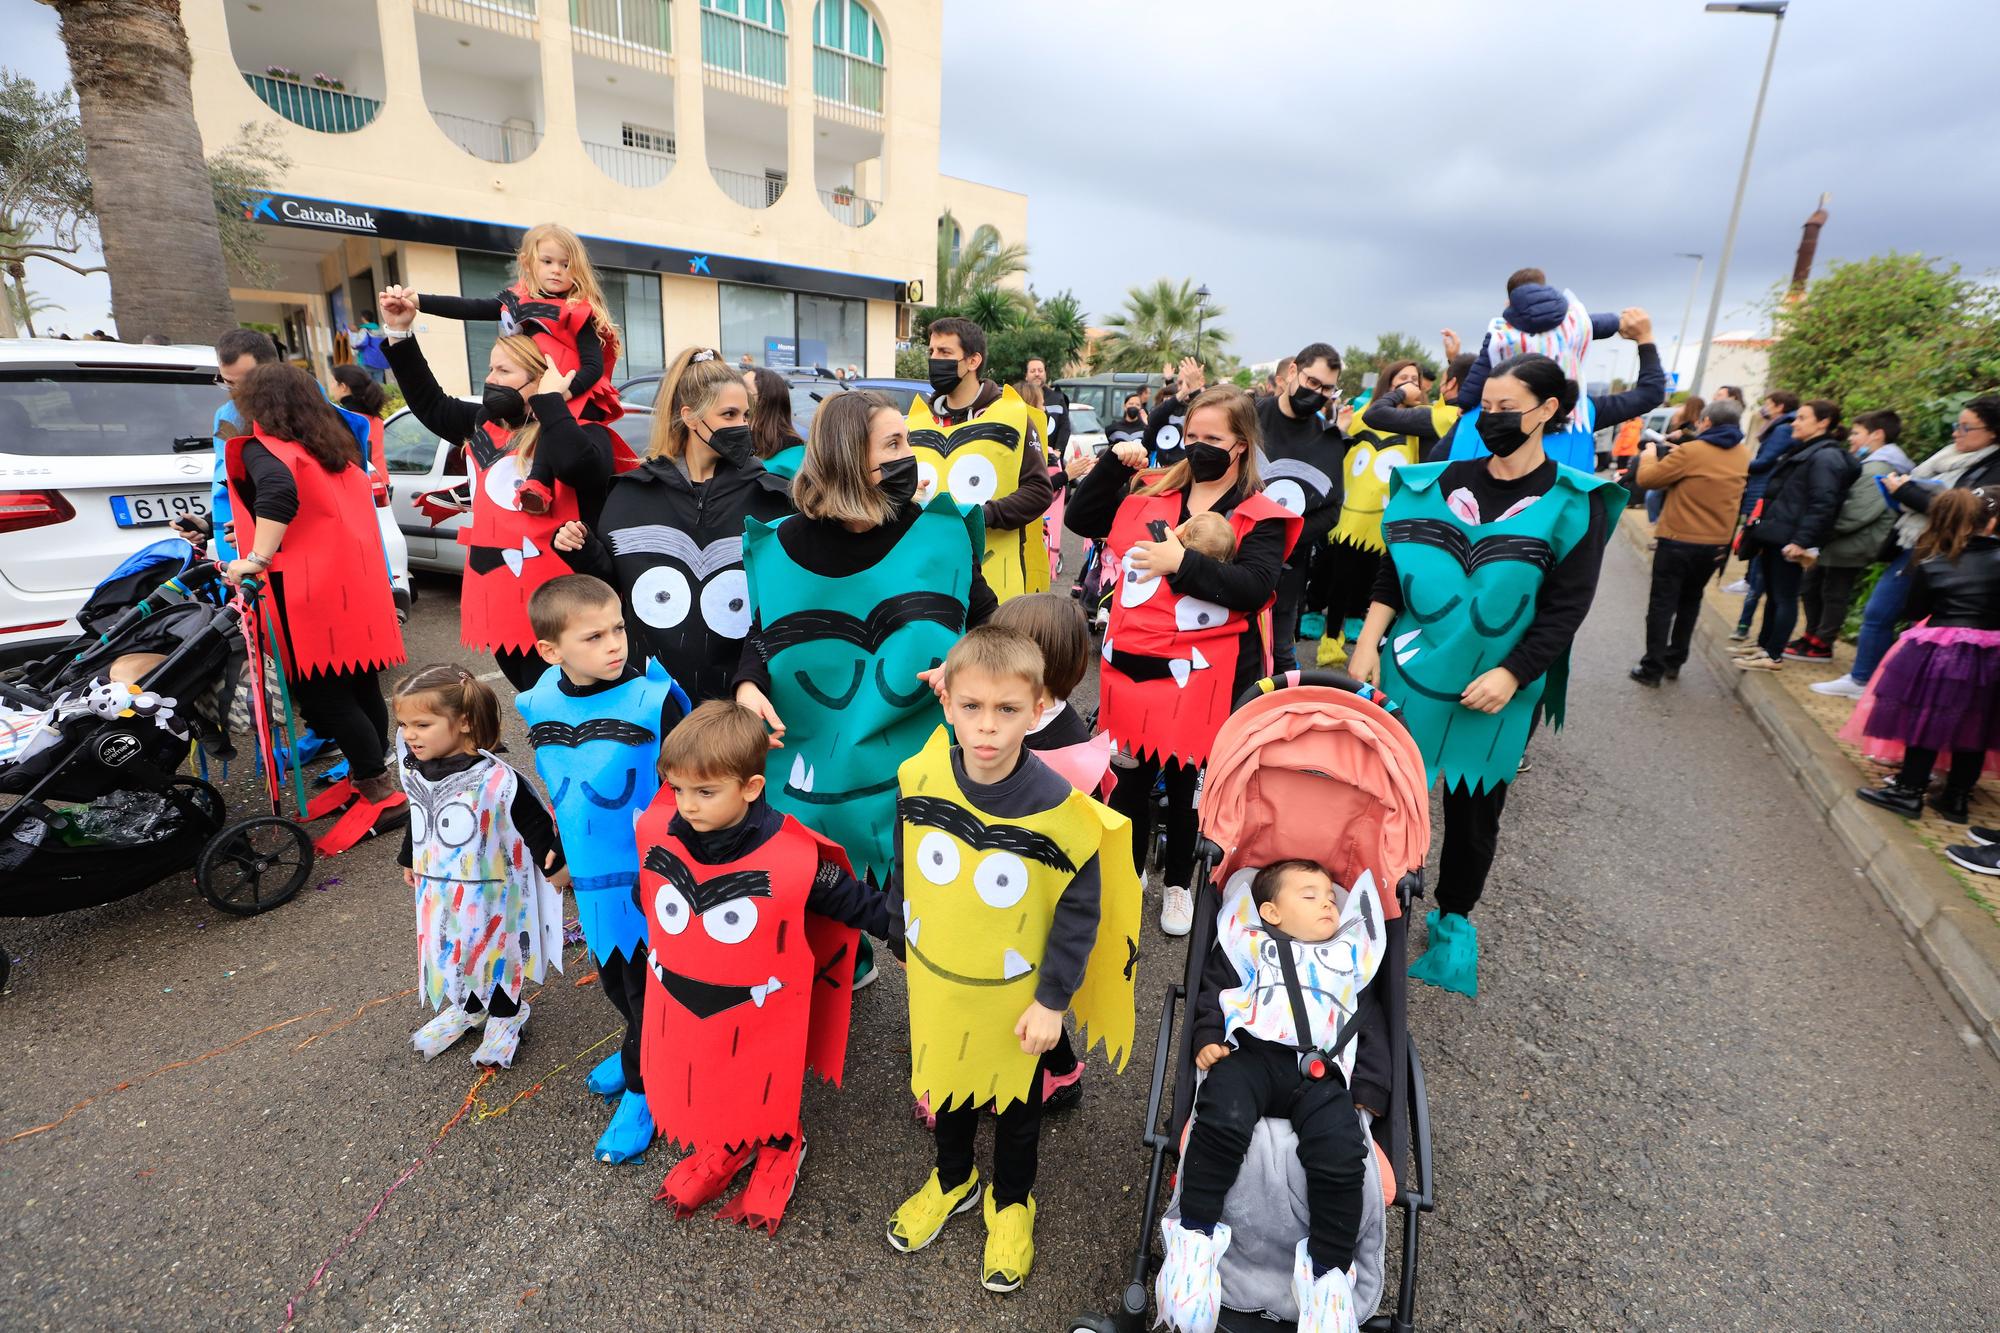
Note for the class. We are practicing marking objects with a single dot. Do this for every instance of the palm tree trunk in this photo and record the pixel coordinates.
(155, 205)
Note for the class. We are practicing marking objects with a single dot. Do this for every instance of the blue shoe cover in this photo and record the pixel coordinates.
(1452, 960)
(333, 775)
(1312, 625)
(608, 1079)
(630, 1132)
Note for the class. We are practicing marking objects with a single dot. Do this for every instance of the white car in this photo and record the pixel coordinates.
(1086, 433)
(102, 445)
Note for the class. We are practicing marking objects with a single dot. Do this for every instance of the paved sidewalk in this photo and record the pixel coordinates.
(1953, 918)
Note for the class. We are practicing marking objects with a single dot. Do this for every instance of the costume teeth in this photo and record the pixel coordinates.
(1200, 662)
(1013, 965)
(1181, 669)
(1405, 646)
(910, 929)
(802, 774)
(659, 973)
(758, 994)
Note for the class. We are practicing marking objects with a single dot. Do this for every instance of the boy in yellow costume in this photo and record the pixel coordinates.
(972, 443)
(1018, 902)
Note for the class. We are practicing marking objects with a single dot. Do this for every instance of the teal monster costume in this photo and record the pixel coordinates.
(787, 462)
(844, 654)
(1470, 591)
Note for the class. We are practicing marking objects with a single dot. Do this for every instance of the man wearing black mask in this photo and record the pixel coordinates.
(1163, 425)
(995, 467)
(1301, 470)
(1055, 404)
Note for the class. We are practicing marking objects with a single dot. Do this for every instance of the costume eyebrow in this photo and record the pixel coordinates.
(1469, 554)
(885, 618)
(715, 891)
(596, 729)
(704, 562)
(999, 432)
(968, 828)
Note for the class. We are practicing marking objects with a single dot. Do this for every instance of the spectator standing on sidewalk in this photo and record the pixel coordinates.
(1701, 484)
(1865, 522)
(1801, 501)
(1779, 410)
(1972, 460)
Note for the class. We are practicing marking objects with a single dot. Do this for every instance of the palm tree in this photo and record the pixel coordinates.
(970, 264)
(22, 304)
(1157, 328)
(156, 208)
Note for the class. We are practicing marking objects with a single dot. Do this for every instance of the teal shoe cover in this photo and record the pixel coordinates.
(1312, 625)
(1452, 960)
(608, 1079)
(1351, 628)
(630, 1132)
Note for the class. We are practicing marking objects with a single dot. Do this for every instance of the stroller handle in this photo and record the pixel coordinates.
(1324, 677)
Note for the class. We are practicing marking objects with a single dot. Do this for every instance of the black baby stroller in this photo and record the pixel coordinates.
(101, 810)
(1306, 766)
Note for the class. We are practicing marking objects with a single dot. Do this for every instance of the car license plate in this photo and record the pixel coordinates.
(157, 508)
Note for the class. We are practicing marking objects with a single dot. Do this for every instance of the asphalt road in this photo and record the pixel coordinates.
(1704, 1086)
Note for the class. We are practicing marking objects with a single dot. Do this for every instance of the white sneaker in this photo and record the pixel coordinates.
(1841, 687)
(1739, 588)
(1189, 1285)
(1176, 910)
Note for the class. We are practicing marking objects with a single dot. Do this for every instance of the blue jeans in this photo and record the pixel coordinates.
(1878, 620)
(1756, 594)
(1655, 502)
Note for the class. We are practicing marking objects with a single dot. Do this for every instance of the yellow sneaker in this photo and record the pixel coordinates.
(917, 1223)
(1010, 1244)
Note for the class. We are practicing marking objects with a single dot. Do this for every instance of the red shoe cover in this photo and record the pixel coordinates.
(698, 1179)
(761, 1205)
(330, 800)
(356, 824)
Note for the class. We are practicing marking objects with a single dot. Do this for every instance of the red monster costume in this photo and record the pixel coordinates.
(554, 324)
(1170, 661)
(749, 989)
(512, 552)
(330, 577)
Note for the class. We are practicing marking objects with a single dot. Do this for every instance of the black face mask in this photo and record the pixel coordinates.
(504, 404)
(1502, 432)
(1131, 414)
(732, 442)
(1306, 401)
(945, 374)
(899, 480)
(1208, 462)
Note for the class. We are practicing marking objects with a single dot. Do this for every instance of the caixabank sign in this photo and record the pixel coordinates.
(391, 224)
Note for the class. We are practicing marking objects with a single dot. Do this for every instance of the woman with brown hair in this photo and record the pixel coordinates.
(1176, 656)
(305, 523)
(670, 538)
(523, 414)
(773, 437)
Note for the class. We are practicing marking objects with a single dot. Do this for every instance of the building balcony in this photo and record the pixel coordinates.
(512, 141)
(630, 32)
(328, 110)
(748, 190)
(516, 18)
(743, 57)
(850, 209)
(847, 87)
(634, 167)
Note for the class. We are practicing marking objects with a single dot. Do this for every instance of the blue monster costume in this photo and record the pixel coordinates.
(1575, 447)
(844, 654)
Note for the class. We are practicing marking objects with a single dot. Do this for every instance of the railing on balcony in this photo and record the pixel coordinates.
(747, 190)
(847, 81)
(742, 56)
(641, 23)
(848, 208)
(485, 139)
(630, 166)
(330, 110)
(514, 17)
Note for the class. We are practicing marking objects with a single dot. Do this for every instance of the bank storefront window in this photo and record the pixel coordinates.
(632, 298)
(781, 328)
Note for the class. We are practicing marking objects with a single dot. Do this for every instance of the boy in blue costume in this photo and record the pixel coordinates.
(596, 723)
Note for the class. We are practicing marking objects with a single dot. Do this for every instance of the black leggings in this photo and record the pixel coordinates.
(1258, 1079)
(1471, 835)
(1133, 798)
(499, 1004)
(623, 981)
(521, 667)
(1960, 779)
(1017, 1133)
(348, 710)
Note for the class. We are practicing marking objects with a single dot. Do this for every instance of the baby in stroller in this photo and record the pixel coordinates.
(1278, 1009)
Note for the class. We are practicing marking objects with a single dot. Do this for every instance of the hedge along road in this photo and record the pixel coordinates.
(1703, 1086)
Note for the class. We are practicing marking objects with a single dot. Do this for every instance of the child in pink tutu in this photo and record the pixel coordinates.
(1939, 688)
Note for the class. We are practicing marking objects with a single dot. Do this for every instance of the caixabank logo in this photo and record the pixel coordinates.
(289, 210)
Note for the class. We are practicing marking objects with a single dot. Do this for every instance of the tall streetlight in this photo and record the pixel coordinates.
(1694, 284)
(1775, 10)
(1200, 316)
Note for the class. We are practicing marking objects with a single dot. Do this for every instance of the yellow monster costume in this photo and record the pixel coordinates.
(980, 460)
(979, 894)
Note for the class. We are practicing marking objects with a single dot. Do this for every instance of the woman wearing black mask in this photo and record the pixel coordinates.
(671, 536)
(1490, 569)
(1185, 636)
(522, 416)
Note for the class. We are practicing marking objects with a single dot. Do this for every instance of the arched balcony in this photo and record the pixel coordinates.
(744, 65)
(482, 74)
(318, 66)
(623, 68)
(849, 74)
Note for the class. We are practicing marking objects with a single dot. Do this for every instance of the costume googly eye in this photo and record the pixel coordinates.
(1193, 613)
(732, 922)
(937, 858)
(1385, 463)
(1169, 438)
(1359, 458)
(420, 823)
(1267, 949)
(456, 824)
(670, 906)
(1134, 587)
(973, 479)
(1001, 879)
(725, 604)
(502, 483)
(1287, 494)
(927, 476)
(661, 597)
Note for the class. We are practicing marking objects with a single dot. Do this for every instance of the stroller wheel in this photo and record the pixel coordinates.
(255, 865)
(204, 798)
(1090, 1323)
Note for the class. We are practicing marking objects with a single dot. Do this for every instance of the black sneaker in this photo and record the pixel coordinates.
(1645, 677)
(1952, 806)
(1893, 795)
(1981, 860)
(1673, 673)
(1983, 837)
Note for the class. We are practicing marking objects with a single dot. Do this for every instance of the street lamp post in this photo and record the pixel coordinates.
(1775, 10)
(1200, 316)
(1687, 313)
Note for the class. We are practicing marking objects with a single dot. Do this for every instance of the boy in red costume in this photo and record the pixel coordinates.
(752, 919)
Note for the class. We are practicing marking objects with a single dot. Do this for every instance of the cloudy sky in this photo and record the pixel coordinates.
(1338, 168)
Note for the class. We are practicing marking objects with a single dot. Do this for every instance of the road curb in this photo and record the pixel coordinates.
(1959, 941)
